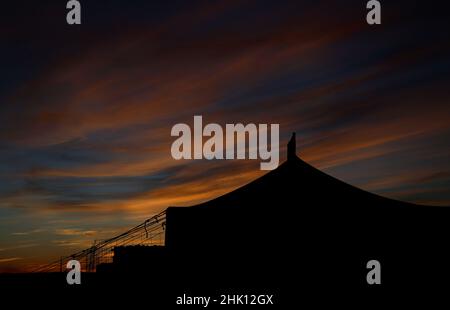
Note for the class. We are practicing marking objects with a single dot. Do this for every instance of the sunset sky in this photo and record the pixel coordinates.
(86, 111)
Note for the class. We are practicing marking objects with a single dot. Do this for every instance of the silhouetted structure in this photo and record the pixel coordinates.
(295, 224)
(292, 148)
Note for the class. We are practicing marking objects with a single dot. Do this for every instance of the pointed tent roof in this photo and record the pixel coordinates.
(295, 181)
(301, 223)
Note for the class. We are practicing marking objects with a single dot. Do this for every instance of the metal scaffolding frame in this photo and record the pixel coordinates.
(150, 232)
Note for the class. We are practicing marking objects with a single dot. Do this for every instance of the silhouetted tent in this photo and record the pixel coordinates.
(298, 216)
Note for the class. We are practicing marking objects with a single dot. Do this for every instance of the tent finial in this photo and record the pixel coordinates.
(291, 147)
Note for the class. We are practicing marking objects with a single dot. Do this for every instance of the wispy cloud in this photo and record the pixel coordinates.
(20, 246)
(26, 233)
(75, 232)
(10, 259)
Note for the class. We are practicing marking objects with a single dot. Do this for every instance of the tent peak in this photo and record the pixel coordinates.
(292, 148)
